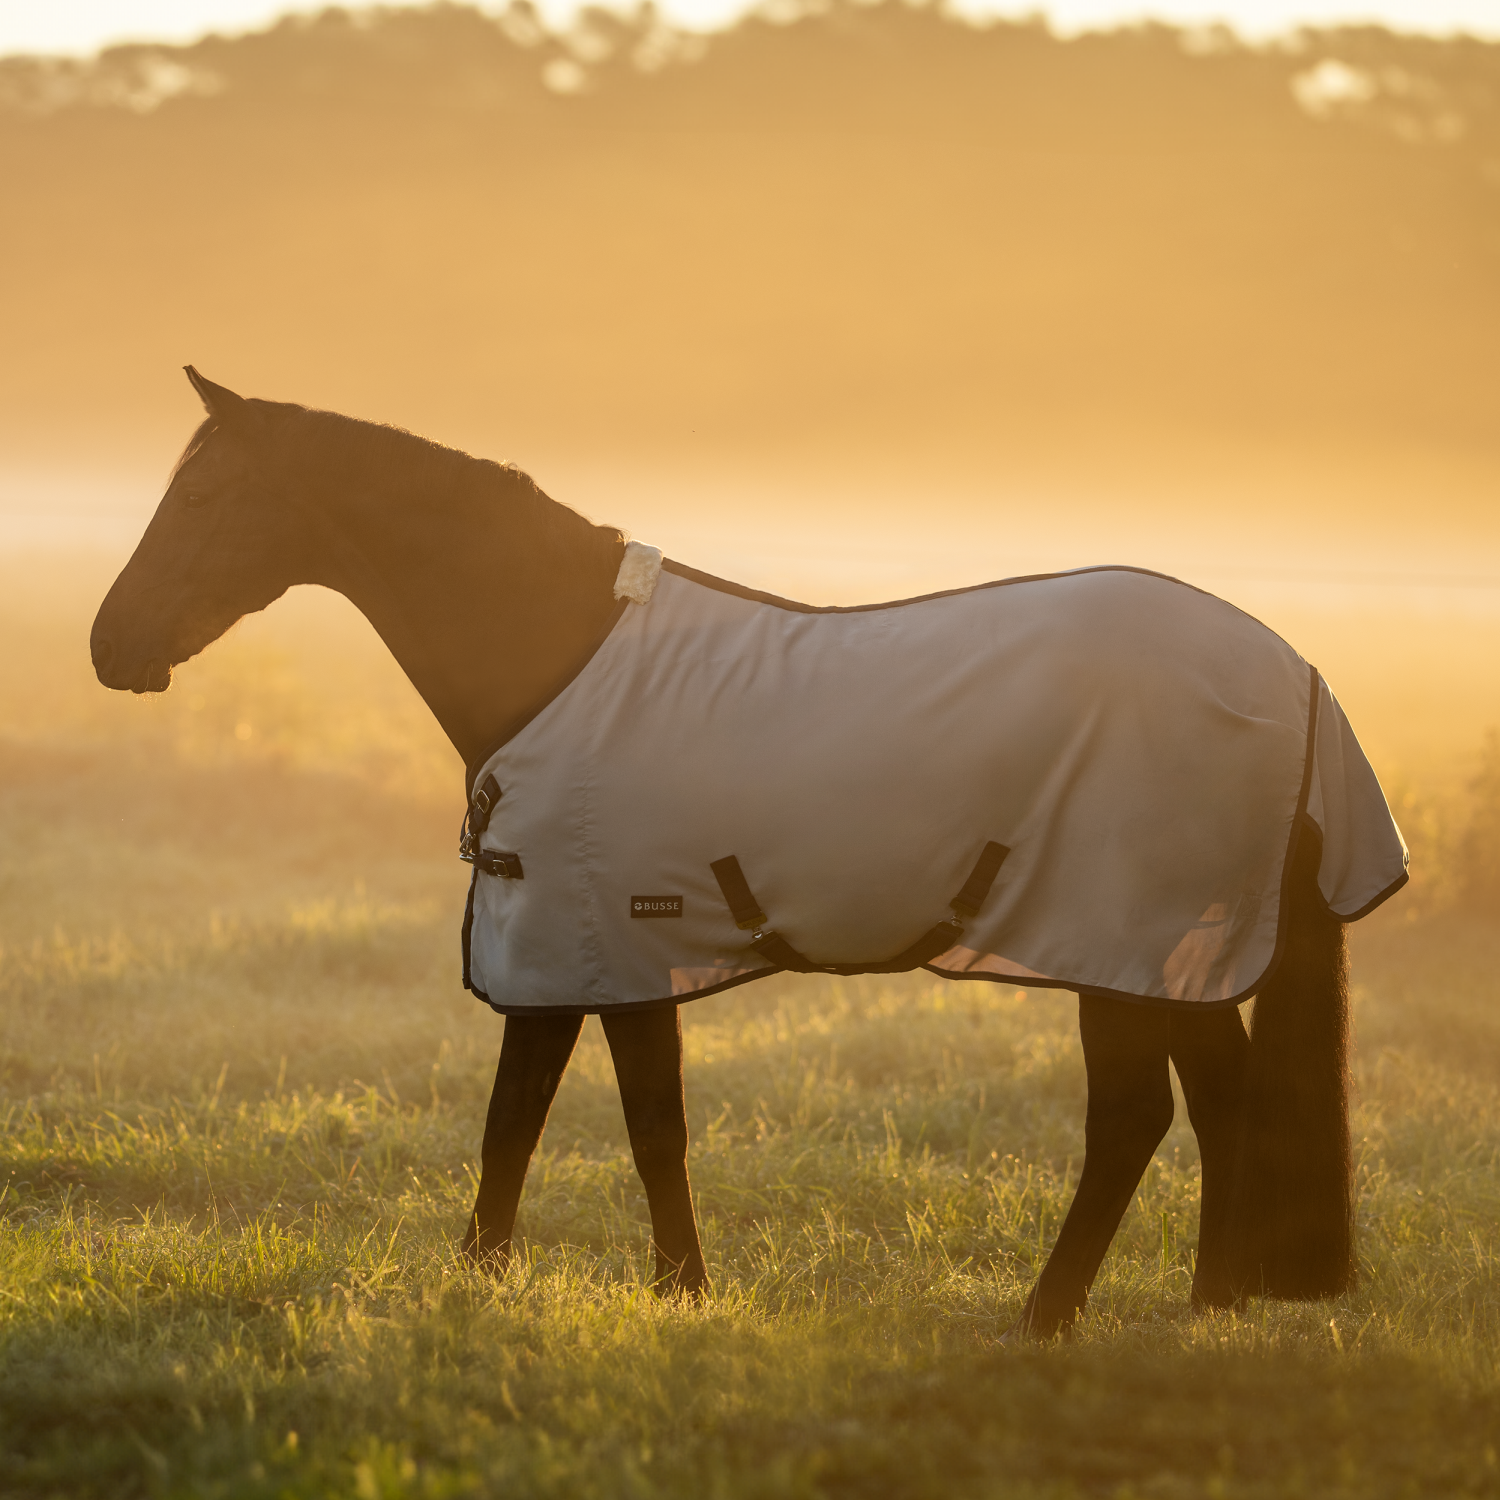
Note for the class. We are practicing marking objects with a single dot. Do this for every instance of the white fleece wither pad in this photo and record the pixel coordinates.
(639, 570)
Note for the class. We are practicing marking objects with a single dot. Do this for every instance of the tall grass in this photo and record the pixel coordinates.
(235, 1171)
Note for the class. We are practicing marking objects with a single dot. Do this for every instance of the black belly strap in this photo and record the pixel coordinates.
(771, 945)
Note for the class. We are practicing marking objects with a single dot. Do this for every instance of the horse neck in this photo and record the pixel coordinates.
(489, 597)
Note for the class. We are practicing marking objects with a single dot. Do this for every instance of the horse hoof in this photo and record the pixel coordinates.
(492, 1261)
(680, 1290)
(1025, 1332)
(1021, 1334)
(689, 1282)
(1207, 1306)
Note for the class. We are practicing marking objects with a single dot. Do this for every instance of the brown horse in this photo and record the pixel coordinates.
(491, 596)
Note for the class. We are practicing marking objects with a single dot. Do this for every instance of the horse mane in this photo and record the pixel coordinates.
(331, 439)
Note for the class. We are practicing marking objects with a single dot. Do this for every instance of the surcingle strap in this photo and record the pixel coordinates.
(744, 908)
(968, 901)
(771, 946)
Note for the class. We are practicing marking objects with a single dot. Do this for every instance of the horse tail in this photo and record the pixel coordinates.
(1292, 1223)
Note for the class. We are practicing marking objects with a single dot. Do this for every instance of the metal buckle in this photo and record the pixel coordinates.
(497, 862)
(477, 820)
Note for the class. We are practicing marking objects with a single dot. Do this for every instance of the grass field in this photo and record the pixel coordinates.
(243, 1095)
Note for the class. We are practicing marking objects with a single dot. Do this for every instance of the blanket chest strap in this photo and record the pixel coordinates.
(476, 819)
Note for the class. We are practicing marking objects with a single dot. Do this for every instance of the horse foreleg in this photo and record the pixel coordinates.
(647, 1049)
(1129, 1111)
(1210, 1051)
(533, 1055)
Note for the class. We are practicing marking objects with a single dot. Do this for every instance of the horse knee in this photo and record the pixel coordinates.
(533, 1054)
(659, 1146)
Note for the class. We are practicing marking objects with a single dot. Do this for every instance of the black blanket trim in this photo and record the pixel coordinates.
(468, 936)
(1379, 900)
(627, 1005)
(759, 596)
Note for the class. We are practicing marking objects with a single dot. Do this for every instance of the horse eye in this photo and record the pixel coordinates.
(195, 500)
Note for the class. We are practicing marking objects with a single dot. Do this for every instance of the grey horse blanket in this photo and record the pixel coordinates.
(733, 778)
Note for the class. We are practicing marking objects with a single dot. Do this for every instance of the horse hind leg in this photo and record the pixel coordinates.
(533, 1056)
(1129, 1111)
(647, 1051)
(1210, 1052)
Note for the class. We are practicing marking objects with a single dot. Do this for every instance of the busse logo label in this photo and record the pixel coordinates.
(656, 906)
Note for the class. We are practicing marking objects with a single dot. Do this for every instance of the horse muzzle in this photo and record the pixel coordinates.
(152, 676)
(155, 677)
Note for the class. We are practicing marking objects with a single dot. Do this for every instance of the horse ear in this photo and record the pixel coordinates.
(219, 401)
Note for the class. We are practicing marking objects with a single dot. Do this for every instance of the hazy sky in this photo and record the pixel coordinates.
(83, 25)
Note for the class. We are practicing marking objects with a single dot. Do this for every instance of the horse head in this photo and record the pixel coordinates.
(225, 541)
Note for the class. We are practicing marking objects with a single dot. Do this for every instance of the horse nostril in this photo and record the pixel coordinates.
(103, 652)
